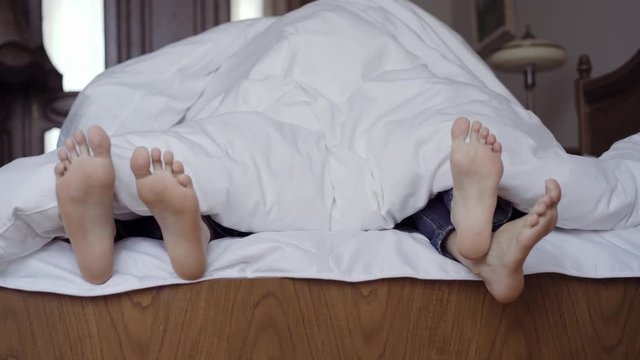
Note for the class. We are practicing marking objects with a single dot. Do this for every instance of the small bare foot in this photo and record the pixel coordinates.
(169, 195)
(501, 268)
(84, 187)
(477, 168)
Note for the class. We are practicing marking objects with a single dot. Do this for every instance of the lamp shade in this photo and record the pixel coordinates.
(518, 54)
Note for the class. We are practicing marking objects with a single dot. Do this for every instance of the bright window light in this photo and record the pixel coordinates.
(246, 9)
(73, 36)
(51, 139)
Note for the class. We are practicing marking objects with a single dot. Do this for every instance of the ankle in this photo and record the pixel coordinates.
(450, 243)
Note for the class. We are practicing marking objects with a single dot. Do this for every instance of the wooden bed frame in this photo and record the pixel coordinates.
(556, 317)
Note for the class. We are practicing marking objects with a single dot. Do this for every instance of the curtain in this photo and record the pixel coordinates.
(279, 7)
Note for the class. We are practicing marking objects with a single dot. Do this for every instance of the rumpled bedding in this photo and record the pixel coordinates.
(319, 130)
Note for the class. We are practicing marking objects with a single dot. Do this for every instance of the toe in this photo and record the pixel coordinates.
(482, 136)
(184, 180)
(540, 208)
(71, 149)
(168, 161)
(460, 130)
(497, 147)
(63, 155)
(156, 159)
(99, 141)
(475, 130)
(178, 167)
(81, 142)
(59, 169)
(532, 220)
(491, 139)
(552, 187)
(140, 163)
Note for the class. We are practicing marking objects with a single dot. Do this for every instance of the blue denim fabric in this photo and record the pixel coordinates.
(434, 221)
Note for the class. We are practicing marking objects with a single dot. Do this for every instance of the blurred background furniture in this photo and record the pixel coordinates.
(608, 106)
(31, 96)
(528, 55)
(32, 100)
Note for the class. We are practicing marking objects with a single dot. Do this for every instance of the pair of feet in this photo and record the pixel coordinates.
(497, 258)
(86, 181)
(85, 184)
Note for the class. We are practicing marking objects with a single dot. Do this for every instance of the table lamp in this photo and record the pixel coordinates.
(528, 55)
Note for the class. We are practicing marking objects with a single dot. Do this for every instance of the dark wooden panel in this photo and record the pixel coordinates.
(5, 147)
(608, 106)
(28, 114)
(557, 317)
(136, 27)
(5, 135)
(614, 119)
(28, 81)
(13, 125)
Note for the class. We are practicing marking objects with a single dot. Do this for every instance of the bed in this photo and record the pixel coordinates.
(558, 316)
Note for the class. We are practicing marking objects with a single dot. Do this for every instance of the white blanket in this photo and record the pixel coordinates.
(333, 117)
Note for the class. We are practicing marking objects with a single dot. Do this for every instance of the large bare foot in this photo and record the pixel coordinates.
(477, 168)
(84, 187)
(501, 268)
(169, 195)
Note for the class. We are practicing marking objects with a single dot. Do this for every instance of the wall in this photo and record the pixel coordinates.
(609, 33)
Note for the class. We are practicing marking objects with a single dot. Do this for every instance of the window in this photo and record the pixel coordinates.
(73, 36)
(246, 9)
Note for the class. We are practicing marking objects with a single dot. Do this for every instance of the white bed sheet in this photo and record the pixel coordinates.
(347, 256)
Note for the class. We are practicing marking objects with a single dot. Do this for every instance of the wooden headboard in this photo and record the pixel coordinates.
(608, 106)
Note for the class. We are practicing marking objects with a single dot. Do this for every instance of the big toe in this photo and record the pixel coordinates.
(460, 129)
(552, 188)
(99, 141)
(140, 163)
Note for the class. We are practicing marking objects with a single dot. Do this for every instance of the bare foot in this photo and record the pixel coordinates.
(477, 168)
(501, 268)
(169, 195)
(84, 187)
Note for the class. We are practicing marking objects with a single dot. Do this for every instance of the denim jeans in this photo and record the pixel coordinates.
(434, 221)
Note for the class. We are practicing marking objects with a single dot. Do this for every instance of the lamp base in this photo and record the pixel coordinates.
(529, 73)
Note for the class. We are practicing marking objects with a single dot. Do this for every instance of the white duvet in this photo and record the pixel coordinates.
(309, 129)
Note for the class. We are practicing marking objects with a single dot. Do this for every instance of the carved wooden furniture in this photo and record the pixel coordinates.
(31, 96)
(608, 106)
